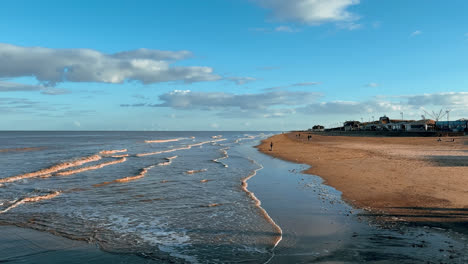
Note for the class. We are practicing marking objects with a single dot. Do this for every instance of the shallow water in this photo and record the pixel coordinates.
(190, 197)
(181, 200)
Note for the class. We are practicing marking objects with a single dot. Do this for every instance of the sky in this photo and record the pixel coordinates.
(243, 65)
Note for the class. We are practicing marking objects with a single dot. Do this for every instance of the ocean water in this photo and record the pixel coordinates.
(175, 196)
(194, 197)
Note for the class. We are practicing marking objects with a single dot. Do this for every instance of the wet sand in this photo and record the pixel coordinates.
(319, 227)
(404, 179)
(21, 245)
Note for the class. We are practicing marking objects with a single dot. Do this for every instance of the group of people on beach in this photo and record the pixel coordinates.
(308, 136)
(453, 140)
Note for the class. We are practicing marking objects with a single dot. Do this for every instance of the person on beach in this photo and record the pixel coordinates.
(271, 145)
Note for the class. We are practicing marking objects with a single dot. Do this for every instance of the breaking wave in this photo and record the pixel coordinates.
(120, 156)
(164, 140)
(177, 149)
(30, 200)
(245, 138)
(140, 175)
(225, 156)
(110, 152)
(95, 167)
(195, 171)
(53, 169)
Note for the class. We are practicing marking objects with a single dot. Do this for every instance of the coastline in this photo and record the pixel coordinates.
(419, 180)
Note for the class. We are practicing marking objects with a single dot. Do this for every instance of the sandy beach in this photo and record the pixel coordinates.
(409, 179)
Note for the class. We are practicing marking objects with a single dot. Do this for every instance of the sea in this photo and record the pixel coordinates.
(179, 196)
(191, 197)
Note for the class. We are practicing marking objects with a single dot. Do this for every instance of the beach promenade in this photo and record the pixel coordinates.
(403, 179)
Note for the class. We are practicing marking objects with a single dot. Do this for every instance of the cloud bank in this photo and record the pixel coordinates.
(270, 104)
(51, 66)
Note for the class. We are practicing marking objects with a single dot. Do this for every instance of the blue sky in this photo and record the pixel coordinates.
(228, 64)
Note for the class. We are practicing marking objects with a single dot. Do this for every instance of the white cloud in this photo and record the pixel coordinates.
(373, 85)
(18, 87)
(453, 99)
(351, 108)
(277, 88)
(283, 104)
(229, 105)
(219, 100)
(286, 29)
(241, 80)
(312, 12)
(416, 33)
(52, 66)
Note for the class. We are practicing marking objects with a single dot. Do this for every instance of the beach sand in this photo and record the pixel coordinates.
(406, 179)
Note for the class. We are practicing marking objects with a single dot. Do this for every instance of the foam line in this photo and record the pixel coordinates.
(164, 140)
(140, 175)
(246, 138)
(53, 169)
(258, 204)
(177, 149)
(110, 152)
(195, 171)
(225, 156)
(30, 200)
(95, 167)
(120, 156)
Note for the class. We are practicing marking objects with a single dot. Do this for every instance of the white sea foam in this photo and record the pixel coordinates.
(164, 140)
(52, 169)
(177, 149)
(95, 167)
(195, 171)
(110, 152)
(33, 199)
(225, 156)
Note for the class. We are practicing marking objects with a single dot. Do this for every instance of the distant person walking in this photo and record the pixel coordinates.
(271, 145)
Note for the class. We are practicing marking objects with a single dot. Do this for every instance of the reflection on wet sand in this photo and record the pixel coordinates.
(258, 204)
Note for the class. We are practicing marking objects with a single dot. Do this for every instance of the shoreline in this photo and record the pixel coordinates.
(417, 180)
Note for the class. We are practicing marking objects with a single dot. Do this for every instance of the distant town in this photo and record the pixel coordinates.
(387, 126)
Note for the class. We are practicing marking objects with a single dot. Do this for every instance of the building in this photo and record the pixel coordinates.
(421, 125)
(460, 125)
(352, 125)
(318, 128)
